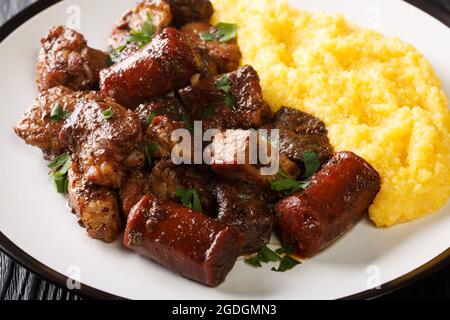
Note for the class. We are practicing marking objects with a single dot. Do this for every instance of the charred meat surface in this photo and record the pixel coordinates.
(301, 132)
(234, 159)
(103, 135)
(65, 59)
(185, 11)
(338, 197)
(220, 57)
(166, 64)
(182, 240)
(135, 185)
(42, 122)
(167, 179)
(230, 101)
(96, 207)
(246, 207)
(148, 17)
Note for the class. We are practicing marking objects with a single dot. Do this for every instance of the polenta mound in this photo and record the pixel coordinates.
(378, 96)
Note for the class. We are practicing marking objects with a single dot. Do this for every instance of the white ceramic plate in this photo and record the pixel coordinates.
(36, 220)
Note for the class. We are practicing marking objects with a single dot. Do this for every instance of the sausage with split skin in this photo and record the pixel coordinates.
(164, 65)
(183, 240)
(337, 198)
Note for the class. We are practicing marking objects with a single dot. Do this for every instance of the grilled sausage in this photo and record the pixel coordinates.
(183, 240)
(164, 65)
(337, 198)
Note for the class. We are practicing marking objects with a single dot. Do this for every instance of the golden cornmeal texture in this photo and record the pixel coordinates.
(378, 96)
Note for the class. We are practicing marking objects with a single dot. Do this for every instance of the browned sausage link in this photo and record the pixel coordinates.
(165, 65)
(337, 198)
(183, 240)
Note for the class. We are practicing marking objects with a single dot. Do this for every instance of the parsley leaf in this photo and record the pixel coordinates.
(150, 118)
(254, 261)
(286, 185)
(287, 263)
(223, 84)
(225, 32)
(189, 198)
(148, 150)
(285, 250)
(210, 111)
(145, 35)
(108, 114)
(312, 163)
(60, 166)
(57, 113)
(267, 255)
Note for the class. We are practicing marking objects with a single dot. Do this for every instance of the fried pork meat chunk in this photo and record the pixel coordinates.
(104, 136)
(166, 64)
(301, 132)
(167, 179)
(185, 11)
(230, 101)
(96, 207)
(165, 106)
(246, 207)
(147, 18)
(42, 122)
(65, 59)
(218, 57)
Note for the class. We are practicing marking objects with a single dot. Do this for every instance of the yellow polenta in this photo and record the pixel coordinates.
(378, 96)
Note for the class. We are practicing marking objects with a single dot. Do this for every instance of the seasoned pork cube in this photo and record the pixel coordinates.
(301, 132)
(167, 179)
(235, 159)
(96, 207)
(165, 106)
(185, 11)
(230, 101)
(103, 135)
(159, 136)
(246, 207)
(65, 59)
(42, 122)
(166, 64)
(147, 18)
(135, 185)
(183, 240)
(221, 57)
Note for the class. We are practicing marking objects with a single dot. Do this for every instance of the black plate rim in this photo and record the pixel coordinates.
(54, 277)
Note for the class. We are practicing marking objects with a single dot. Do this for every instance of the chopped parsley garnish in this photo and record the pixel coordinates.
(224, 85)
(188, 122)
(286, 263)
(286, 185)
(266, 255)
(60, 165)
(312, 163)
(145, 35)
(109, 61)
(189, 198)
(150, 118)
(225, 32)
(58, 114)
(210, 111)
(108, 114)
(148, 150)
(120, 49)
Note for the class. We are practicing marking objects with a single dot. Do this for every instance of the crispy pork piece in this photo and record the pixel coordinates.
(159, 136)
(338, 197)
(220, 57)
(135, 185)
(165, 106)
(39, 128)
(246, 207)
(104, 136)
(232, 158)
(230, 101)
(166, 64)
(155, 13)
(65, 59)
(184, 241)
(301, 132)
(185, 11)
(167, 179)
(96, 207)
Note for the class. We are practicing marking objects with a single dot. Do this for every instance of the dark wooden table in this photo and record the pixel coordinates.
(17, 283)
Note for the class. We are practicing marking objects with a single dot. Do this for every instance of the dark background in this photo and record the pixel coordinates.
(16, 283)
